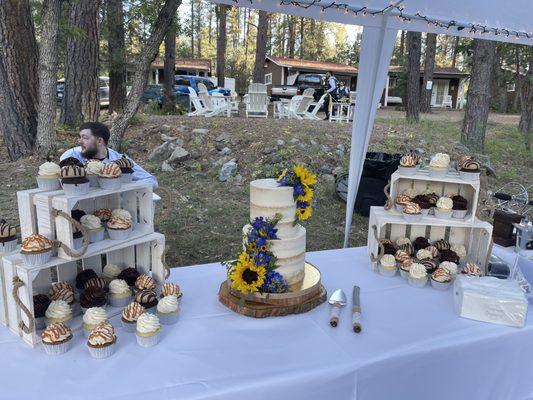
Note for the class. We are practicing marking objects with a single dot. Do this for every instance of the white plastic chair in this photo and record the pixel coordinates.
(199, 108)
(257, 101)
(316, 108)
(301, 109)
(214, 106)
(447, 102)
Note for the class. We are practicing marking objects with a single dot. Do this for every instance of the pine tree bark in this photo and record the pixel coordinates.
(18, 78)
(260, 47)
(46, 133)
(478, 96)
(413, 76)
(292, 35)
(455, 50)
(402, 48)
(429, 67)
(142, 63)
(498, 86)
(170, 69)
(221, 44)
(192, 28)
(526, 99)
(80, 99)
(302, 29)
(116, 55)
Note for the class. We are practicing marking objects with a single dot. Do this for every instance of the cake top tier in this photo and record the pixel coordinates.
(268, 193)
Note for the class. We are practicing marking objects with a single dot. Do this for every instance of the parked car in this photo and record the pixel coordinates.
(302, 82)
(183, 82)
(103, 90)
(153, 92)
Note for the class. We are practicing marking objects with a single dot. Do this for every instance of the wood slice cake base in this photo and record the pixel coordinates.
(301, 298)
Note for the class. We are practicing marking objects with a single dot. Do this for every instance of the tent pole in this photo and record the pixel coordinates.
(377, 44)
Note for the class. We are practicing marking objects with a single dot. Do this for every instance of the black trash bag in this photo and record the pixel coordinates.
(377, 171)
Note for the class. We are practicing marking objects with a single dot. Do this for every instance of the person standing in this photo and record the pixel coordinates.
(331, 90)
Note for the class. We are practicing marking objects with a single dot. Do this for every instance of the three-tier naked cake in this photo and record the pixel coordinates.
(268, 199)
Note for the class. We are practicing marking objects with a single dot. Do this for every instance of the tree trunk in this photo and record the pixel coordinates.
(498, 86)
(18, 78)
(199, 30)
(517, 80)
(413, 76)
(46, 133)
(80, 99)
(116, 55)
(142, 69)
(478, 96)
(455, 50)
(221, 44)
(260, 47)
(429, 66)
(192, 28)
(210, 18)
(292, 35)
(170, 69)
(526, 99)
(302, 27)
(402, 48)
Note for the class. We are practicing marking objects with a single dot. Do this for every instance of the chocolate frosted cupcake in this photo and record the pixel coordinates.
(449, 255)
(431, 265)
(388, 246)
(460, 206)
(147, 299)
(93, 297)
(8, 238)
(469, 168)
(96, 281)
(126, 167)
(407, 247)
(130, 275)
(77, 214)
(40, 304)
(70, 161)
(423, 202)
(442, 245)
(104, 214)
(74, 181)
(420, 243)
(83, 277)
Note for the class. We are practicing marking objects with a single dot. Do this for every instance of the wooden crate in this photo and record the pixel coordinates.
(3, 299)
(146, 253)
(136, 197)
(475, 236)
(451, 184)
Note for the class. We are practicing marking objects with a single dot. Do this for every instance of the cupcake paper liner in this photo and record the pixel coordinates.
(460, 214)
(168, 318)
(102, 352)
(412, 217)
(77, 243)
(149, 341)
(48, 183)
(8, 247)
(431, 211)
(386, 272)
(469, 176)
(437, 173)
(418, 283)
(440, 285)
(110, 183)
(118, 234)
(120, 301)
(129, 326)
(93, 181)
(67, 322)
(443, 214)
(77, 189)
(126, 178)
(399, 208)
(408, 170)
(404, 274)
(425, 212)
(35, 260)
(96, 235)
(40, 323)
(57, 349)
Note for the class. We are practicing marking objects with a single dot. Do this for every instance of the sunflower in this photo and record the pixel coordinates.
(307, 196)
(251, 246)
(246, 277)
(306, 177)
(304, 213)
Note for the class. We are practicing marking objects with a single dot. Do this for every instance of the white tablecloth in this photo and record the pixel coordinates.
(412, 346)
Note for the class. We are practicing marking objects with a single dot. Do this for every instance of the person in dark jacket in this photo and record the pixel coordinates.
(332, 91)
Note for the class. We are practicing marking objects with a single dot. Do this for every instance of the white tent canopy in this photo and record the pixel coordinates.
(507, 21)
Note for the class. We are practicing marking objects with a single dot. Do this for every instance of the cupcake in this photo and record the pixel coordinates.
(59, 286)
(402, 240)
(387, 265)
(460, 206)
(147, 299)
(40, 305)
(77, 239)
(388, 247)
(70, 161)
(94, 227)
(8, 238)
(400, 201)
(433, 251)
(93, 297)
(92, 317)
(110, 272)
(438, 165)
(83, 276)
(56, 339)
(449, 266)
(471, 269)
(418, 276)
(109, 177)
(144, 282)
(36, 250)
(58, 311)
(67, 295)
(148, 330)
(412, 212)
(460, 250)
(420, 243)
(74, 180)
(402, 255)
(171, 289)
(101, 340)
(96, 281)
(448, 255)
(432, 198)
(469, 168)
(104, 214)
(48, 176)
(431, 265)
(77, 214)
(118, 228)
(119, 293)
(130, 314)
(408, 248)
(441, 279)
(423, 202)
(167, 310)
(93, 168)
(442, 245)
(126, 169)
(422, 254)
(444, 208)
(409, 164)
(130, 275)
(405, 266)
(120, 212)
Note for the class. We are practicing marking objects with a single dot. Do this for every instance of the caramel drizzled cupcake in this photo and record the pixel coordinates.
(408, 248)
(102, 340)
(56, 339)
(401, 200)
(118, 228)
(171, 289)
(409, 164)
(8, 238)
(130, 314)
(469, 168)
(126, 169)
(36, 250)
(109, 177)
(412, 212)
(93, 168)
(472, 269)
(144, 282)
(74, 180)
(104, 214)
(441, 279)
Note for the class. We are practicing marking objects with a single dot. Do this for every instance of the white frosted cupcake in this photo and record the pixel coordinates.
(130, 314)
(168, 309)
(48, 176)
(92, 317)
(119, 293)
(109, 177)
(56, 339)
(422, 254)
(148, 330)
(118, 228)
(93, 168)
(94, 227)
(444, 208)
(58, 311)
(402, 240)
(449, 266)
(102, 340)
(439, 164)
(418, 276)
(387, 265)
(110, 272)
(66, 294)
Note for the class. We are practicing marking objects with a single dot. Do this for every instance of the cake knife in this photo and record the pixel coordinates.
(356, 310)
(337, 301)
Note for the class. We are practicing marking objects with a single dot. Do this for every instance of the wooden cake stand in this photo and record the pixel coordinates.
(300, 298)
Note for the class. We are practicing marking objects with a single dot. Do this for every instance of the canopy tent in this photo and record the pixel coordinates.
(381, 20)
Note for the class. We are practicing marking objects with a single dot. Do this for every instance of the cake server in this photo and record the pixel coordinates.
(356, 310)
(337, 301)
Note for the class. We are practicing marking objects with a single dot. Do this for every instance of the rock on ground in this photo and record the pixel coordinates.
(227, 170)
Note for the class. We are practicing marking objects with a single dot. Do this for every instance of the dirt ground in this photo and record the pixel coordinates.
(203, 217)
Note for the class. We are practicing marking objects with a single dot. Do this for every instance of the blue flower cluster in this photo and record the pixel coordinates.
(274, 283)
